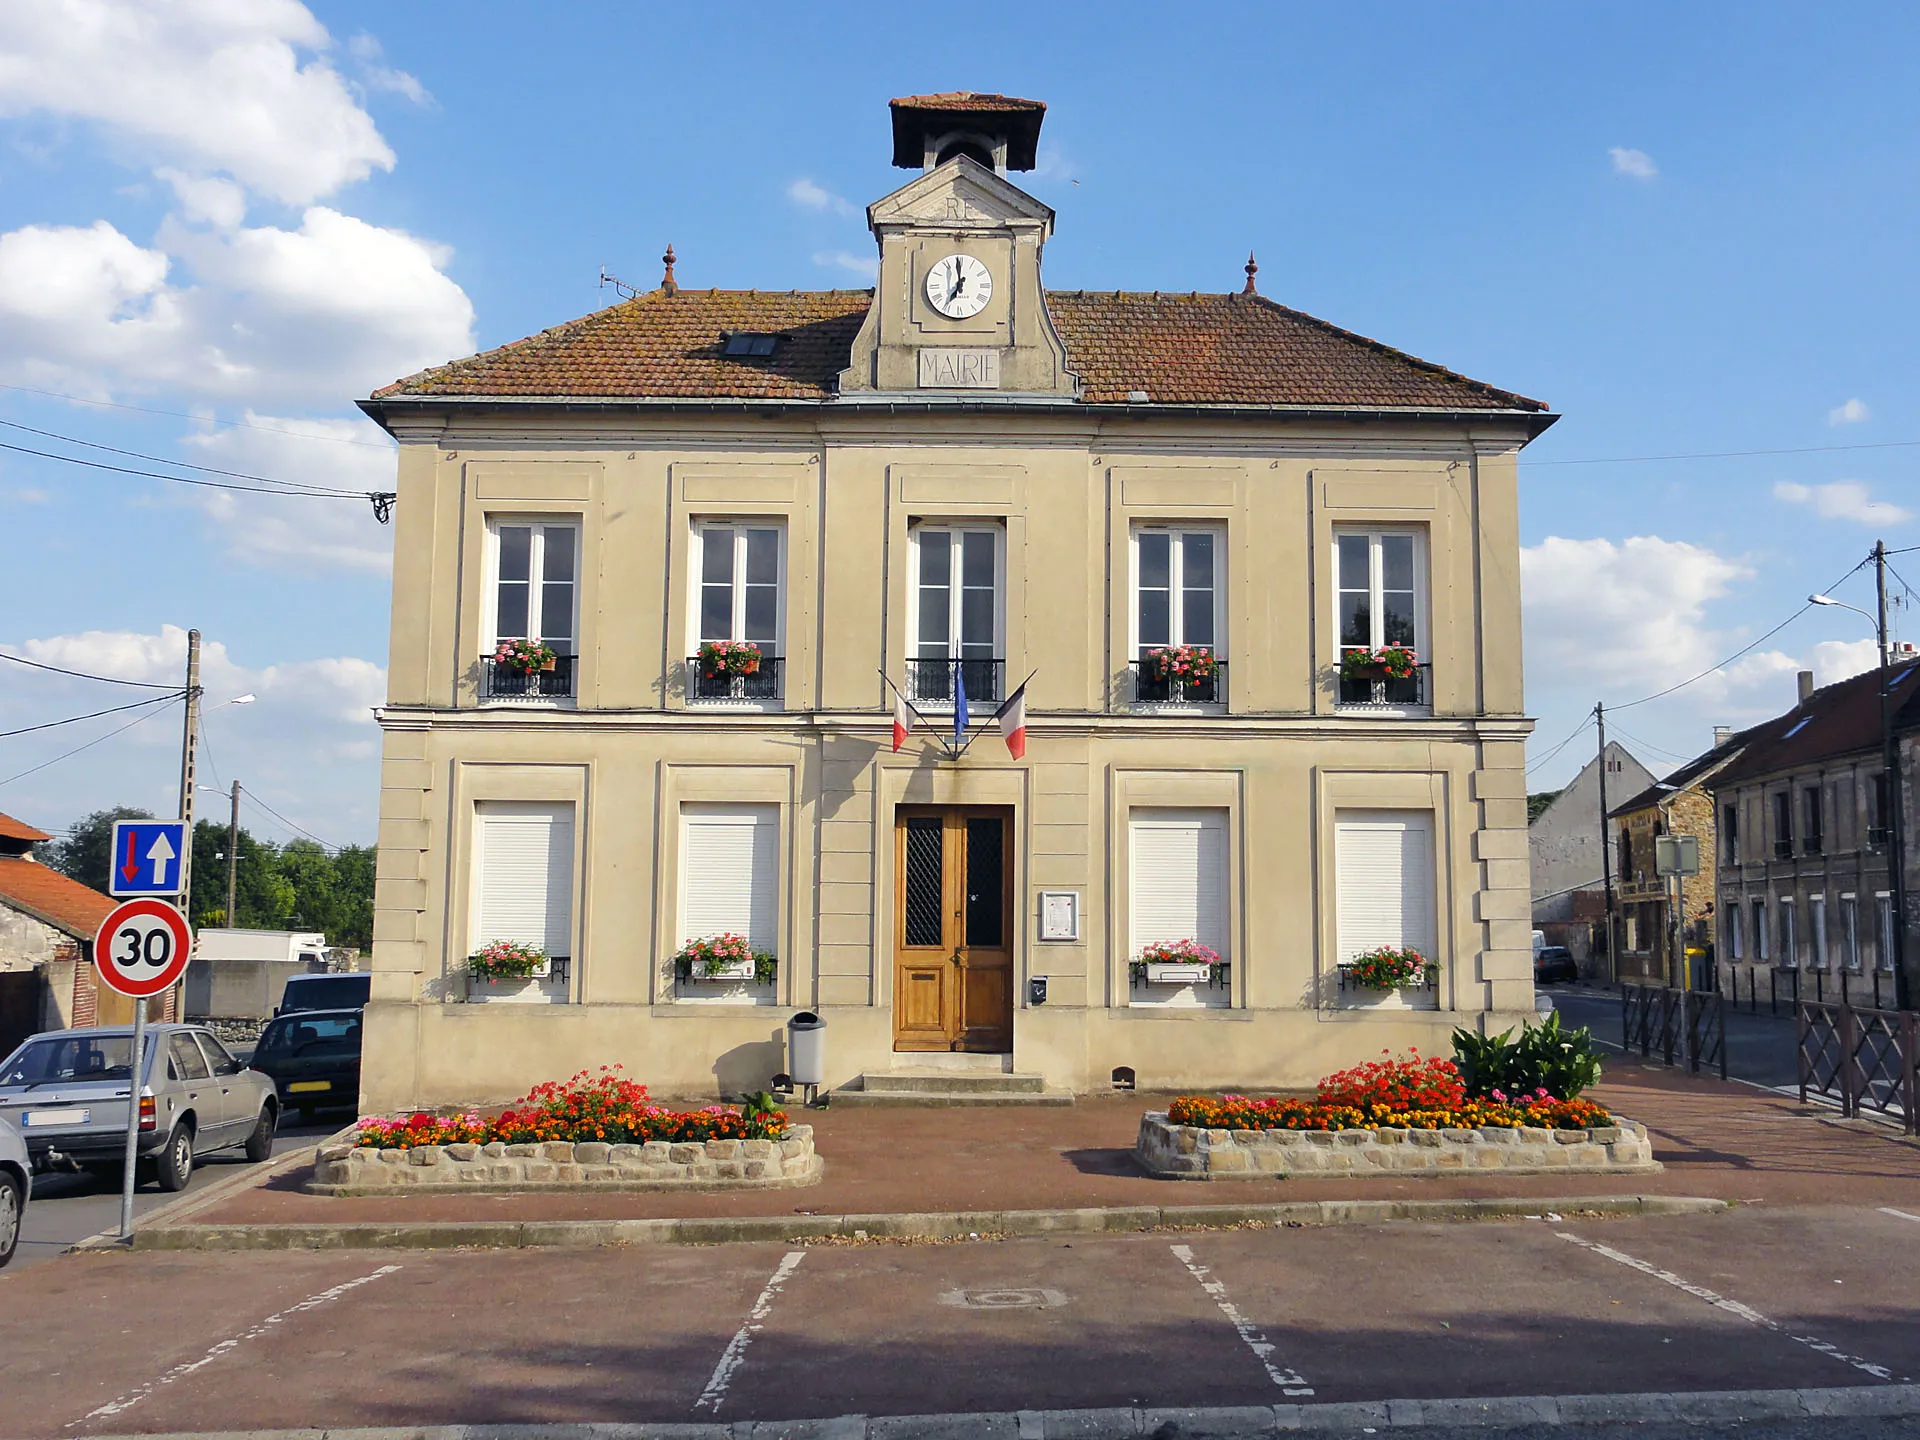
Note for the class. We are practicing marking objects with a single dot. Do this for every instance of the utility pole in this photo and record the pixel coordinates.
(189, 744)
(1894, 819)
(1606, 846)
(233, 855)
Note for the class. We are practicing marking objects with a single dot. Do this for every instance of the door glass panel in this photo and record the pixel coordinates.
(186, 1056)
(924, 906)
(986, 918)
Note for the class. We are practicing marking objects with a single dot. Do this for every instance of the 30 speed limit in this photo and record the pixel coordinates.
(142, 947)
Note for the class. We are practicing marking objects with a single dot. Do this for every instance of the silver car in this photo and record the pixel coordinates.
(66, 1091)
(16, 1185)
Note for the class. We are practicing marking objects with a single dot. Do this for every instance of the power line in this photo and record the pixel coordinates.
(259, 804)
(95, 715)
(269, 489)
(200, 419)
(1730, 454)
(83, 675)
(1578, 732)
(178, 464)
(139, 720)
(1656, 749)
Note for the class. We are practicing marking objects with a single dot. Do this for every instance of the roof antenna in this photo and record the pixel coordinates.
(668, 285)
(620, 287)
(1253, 269)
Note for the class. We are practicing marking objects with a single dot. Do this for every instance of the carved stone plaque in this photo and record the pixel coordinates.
(960, 369)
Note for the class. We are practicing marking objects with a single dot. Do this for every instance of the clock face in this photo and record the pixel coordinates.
(959, 287)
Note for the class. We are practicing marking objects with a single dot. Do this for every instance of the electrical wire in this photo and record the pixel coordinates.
(199, 419)
(305, 494)
(259, 804)
(177, 464)
(1656, 749)
(1578, 732)
(95, 715)
(139, 720)
(83, 675)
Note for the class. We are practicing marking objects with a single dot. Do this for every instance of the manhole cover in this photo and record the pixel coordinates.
(1009, 1299)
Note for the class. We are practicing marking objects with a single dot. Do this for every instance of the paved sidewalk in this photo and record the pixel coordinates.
(1726, 1141)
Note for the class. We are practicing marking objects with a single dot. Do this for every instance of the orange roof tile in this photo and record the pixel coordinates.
(47, 895)
(1179, 349)
(12, 829)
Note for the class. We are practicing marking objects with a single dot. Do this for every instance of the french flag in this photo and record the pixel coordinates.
(902, 719)
(1012, 719)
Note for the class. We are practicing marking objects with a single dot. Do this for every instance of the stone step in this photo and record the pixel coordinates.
(948, 1087)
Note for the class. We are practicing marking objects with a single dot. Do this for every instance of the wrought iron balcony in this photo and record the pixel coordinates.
(1390, 693)
(1783, 849)
(1152, 689)
(763, 684)
(930, 681)
(504, 682)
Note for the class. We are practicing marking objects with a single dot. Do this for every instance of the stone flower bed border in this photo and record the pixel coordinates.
(1189, 1152)
(497, 1167)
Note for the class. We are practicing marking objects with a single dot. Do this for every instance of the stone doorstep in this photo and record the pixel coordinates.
(947, 1087)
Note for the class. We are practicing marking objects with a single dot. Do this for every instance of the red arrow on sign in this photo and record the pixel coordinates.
(132, 867)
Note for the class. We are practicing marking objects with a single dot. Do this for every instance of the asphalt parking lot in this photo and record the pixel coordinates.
(1748, 1299)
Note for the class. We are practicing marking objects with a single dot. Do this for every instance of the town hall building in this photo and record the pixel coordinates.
(665, 575)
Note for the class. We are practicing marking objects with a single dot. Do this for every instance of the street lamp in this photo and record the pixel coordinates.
(1890, 769)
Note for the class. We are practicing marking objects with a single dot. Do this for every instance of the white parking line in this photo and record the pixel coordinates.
(1291, 1382)
(180, 1372)
(1732, 1307)
(736, 1350)
(1889, 1210)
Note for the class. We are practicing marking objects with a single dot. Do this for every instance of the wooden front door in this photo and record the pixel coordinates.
(953, 929)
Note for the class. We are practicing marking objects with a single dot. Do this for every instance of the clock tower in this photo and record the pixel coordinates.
(959, 306)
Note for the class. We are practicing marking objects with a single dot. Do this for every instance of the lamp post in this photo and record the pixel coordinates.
(1890, 767)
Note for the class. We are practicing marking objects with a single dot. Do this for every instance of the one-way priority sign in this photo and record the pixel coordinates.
(147, 856)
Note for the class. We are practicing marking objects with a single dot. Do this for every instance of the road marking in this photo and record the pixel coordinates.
(736, 1351)
(1732, 1307)
(1291, 1382)
(1889, 1210)
(179, 1372)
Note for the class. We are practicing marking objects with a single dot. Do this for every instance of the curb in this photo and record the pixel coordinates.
(965, 1224)
(1684, 1408)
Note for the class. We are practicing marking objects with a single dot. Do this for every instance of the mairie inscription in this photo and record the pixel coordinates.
(960, 369)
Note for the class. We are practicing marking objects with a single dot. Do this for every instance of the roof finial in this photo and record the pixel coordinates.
(668, 285)
(1253, 269)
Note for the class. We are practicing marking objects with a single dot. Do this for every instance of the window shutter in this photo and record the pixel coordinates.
(730, 873)
(1179, 877)
(525, 861)
(1383, 878)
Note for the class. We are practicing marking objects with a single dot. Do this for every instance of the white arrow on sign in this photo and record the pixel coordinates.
(160, 852)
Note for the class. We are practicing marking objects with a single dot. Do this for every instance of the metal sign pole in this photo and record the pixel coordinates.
(133, 1117)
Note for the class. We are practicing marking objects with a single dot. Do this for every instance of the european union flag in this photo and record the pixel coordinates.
(959, 702)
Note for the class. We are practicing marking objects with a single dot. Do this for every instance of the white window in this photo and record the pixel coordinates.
(1789, 936)
(1177, 878)
(956, 612)
(1735, 950)
(1817, 913)
(1883, 901)
(737, 576)
(1850, 929)
(1763, 948)
(1178, 588)
(730, 873)
(1384, 881)
(523, 876)
(1380, 595)
(535, 582)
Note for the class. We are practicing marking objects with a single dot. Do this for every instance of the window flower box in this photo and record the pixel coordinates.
(1388, 968)
(1179, 962)
(526, 657)
(1179, 974)
(509, 960)
(1389, 662)
(729, 657)
(726, 957)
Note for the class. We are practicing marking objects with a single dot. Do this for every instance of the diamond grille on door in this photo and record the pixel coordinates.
(985, 916)
(923, 887)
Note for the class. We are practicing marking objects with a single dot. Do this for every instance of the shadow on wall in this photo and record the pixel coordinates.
(746, 1068)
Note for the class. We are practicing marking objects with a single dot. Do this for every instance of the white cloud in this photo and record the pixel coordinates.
(268, 530)
(1851, 413)
(379, 77)
(209, 86)
(867, 267)
(28, 495)
(329, 311)
(1842, 500)
(307, 746)
(805, 193)
(206, 200)
(1835, 660)
(1635, 163)
(1051, 163)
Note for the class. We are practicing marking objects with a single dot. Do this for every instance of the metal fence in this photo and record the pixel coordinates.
(1682, 1027)
(1863, 1059)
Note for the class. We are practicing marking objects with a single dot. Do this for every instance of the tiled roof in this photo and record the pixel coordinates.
(917, 116)
(12, 829)
(1841, 719)
(1687, 777)
(1179, 349)
(47, 895)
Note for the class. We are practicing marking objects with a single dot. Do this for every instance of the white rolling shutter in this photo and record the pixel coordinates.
(1383, 878)
(523, 856)
(1179, 877)
(730, 873)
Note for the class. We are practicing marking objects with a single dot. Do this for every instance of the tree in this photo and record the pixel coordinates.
(86, 854)
(1538, 802)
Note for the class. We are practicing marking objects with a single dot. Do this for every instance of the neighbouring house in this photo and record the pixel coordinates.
(1678, 805)
(237, 976)
(1805, 841)
(47, 925)
(741, 520)
(1565, 851)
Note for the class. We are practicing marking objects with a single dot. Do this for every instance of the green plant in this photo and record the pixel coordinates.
(1387, 968)
(707, 959)
(760, 1106)
(1396, 662)
(506, 960)
(1541, 1057)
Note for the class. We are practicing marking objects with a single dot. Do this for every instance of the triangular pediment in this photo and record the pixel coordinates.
(962, 192)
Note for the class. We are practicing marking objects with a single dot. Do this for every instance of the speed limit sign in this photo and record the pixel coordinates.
(142, 947)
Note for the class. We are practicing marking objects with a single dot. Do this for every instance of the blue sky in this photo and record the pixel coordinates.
(1689, 232)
